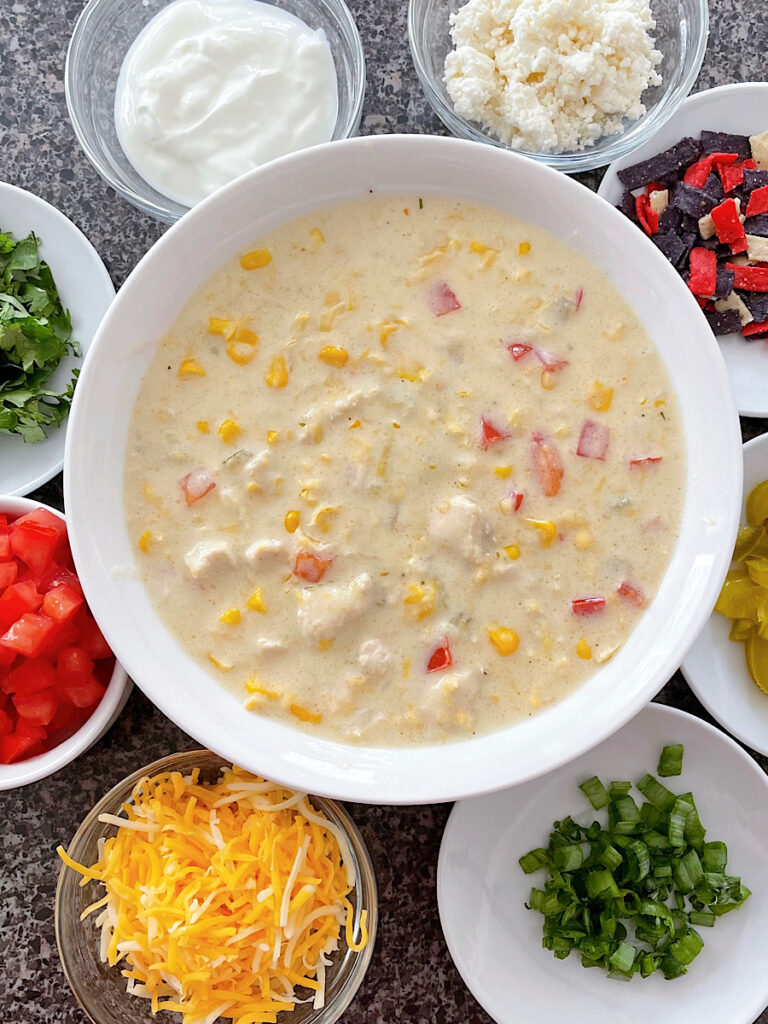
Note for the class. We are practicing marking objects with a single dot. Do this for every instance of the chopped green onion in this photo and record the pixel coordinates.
(702, 917)
(655, 793)
(569, 858)
(715, 857)
(610, 857)
(687, 947)
(617, 789)
(671, 760)
(534, 860)
(595, 792)
(677, 819)
(623, 957)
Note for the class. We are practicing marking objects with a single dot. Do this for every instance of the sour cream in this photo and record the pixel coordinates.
(210, 90)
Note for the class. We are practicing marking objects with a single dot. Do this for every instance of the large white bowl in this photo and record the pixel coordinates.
(225, 224)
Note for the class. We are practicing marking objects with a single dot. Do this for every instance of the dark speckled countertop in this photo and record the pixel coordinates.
(411, 978)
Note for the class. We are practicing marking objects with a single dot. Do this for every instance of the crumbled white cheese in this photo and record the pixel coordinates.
(759, 144)
(551, 75)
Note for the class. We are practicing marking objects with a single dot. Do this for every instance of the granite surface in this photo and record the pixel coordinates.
(411, 978)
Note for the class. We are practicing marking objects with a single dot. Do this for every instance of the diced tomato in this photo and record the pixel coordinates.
(17, 599)
(8, 573)
(629, 592)
(82, 695)
(21, 743)
(30, 676)
(58, 575)
(37, 537)
(61, 603)
(6, 723)
(5, 547)
(38, 708)
(518, 350)
(67, 719)
(196, 484)
(593, 440)
(6, 657)
(311, 567)
(644, 461)
(549, 361)
(28, 634)
(587, 605)
(546, 464)
(442, 299)
(66, 634)
(92, 640)
(490, 434)
(440, 659)
(74, 665)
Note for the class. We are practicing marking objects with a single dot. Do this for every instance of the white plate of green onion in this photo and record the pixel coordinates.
(626, 887)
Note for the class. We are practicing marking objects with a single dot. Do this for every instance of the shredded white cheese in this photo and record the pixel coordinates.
(551, 75)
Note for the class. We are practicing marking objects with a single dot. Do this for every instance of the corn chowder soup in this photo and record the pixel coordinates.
(405, 472)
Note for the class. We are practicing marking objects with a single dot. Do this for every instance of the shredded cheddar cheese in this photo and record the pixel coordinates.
(223, 899)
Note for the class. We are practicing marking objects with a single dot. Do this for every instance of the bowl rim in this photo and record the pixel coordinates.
(184, 760)
(21, 773)
(591, 157)
(171, 211)
(418, 774)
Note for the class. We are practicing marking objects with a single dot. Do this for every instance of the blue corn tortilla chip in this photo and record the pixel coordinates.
(672, 245)
(627, 207)
(693, 201)
(724, 323)
(670, 220)
(662, 166)
(724, 285)
(757, 225)
(713, 188)
(756, 303)
(754, 179)
(724, 142)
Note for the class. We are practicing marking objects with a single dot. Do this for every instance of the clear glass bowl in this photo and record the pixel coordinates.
(100, 989)
(682, 27)
(103, 34)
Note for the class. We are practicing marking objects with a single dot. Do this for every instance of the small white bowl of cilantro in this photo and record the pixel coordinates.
(54, 291)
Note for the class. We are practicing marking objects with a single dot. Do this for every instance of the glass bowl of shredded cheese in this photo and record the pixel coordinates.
(198, 888)
(573, 85)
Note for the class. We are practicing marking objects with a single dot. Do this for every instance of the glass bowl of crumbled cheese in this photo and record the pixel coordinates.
(572, 83)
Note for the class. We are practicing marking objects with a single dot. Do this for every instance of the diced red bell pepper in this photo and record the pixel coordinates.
(310, 567)
(550, 362)
(17, 599)
(703, 278)
(758, 202)
(593, 440)
(641, 462)
(196, 484)
(516, 499)
(23, 742)
(82, 695)
(441, 658)
(587, 605)
(37, 708)
(74, 665)
(578, 298)
(8, 573)
(442, 299)
(749, 279)
(68, 719)
(61, 603)
(30, 676)
(518, 350)
(629, 592)
(546, 464)
(5, 547)
(754, 328)
(647, 216)
(6, 723)
(728, 226)
(490, 434)
(28, 634)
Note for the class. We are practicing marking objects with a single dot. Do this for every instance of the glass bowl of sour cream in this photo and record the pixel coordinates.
(171, 101)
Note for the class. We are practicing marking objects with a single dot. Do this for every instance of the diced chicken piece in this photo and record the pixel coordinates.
(453, 690)
(374, 657)
(265, 549)
(254, 467)
(759, 144)
(460, 525)
(323, 610)
(734, 301)
(266, 646)
(209, 557)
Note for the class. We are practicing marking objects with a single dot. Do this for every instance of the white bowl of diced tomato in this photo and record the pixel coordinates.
(60, 685)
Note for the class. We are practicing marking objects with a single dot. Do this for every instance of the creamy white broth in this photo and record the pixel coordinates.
(357, 384)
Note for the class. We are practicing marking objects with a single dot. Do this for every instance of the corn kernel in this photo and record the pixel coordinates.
(231, 616)
(222, 666)
(203, 426)
(218, 326)
(548, 380)
(600, 397)
(583, 540)
(277, 374)
(420, 599)
(503, 471)
(145, 541)
(253, 685)
(512, 551)
(317, 235)
(406, 668)
(300, 321)
(327, 318)
(546, 529)
(256, 259)
(229, 430)
(487, 254)
(524, 248)
(385, 329)
(325, 645)
(304, 715)
(583, 650)
(506, 641)
(256, 601)
(333, 356)
(416, 375)
(191, 368)
(292, 521)
(242, 354)
(354, 425)
(272, 436)
(323, 517)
